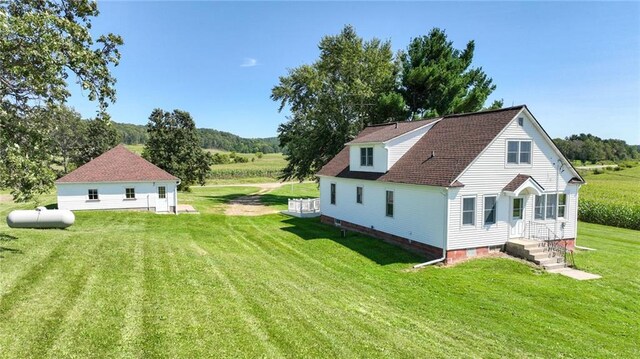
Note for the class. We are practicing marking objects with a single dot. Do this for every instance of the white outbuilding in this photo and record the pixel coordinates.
(118, 179)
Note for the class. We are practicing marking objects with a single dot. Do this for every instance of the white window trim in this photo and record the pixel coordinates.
(544, 212)
(475, 212)
(335, 196)
(506, 153)
(522, 209)
(89, 199)
(134, 194)
(394, 203)
(495, 219)
(366, 150)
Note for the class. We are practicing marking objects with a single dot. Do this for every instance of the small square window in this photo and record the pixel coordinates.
(130, 193)
(93, 194)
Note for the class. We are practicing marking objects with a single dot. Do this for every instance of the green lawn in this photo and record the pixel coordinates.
(135, 284)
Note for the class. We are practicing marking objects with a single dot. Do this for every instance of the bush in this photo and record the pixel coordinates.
(611, 214)
(244, 173)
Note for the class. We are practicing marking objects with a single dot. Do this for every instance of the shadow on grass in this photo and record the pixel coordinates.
(223, 198)
(7, 238)
(52, 206)
(374, 249)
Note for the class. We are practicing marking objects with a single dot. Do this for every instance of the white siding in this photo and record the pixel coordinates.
(489, 174)
(379, 158)
(419, 211)
(400, 145)
(74, 196)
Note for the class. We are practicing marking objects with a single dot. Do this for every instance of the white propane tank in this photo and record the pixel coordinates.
(41, 217)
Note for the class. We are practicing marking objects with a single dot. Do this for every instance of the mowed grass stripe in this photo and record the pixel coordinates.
(372, 329)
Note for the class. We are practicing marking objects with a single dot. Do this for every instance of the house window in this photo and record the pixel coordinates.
(358, 194)
(490, 210)
(519, 152)
(520, 121)
(550, 205)
(469, 211)
(366, 156)
(162, 192)
(130, 193)
(562, 204)
(518, 204)
(389, 203)
(333, 193)
(93, 194)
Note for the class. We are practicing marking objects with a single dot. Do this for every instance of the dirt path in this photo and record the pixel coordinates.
(251, 205)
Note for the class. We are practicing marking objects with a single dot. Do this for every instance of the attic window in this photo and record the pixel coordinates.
(521, 121)
(519, 152)
(366, 156)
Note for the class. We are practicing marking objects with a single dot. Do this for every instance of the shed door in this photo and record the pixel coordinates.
(162, 204)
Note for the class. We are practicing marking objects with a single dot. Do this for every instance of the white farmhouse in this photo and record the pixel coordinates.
(118, 179)
(454, 187)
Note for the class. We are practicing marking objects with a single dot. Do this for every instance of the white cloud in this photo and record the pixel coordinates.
(249, 62)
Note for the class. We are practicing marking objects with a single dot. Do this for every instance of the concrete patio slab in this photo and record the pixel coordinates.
(186, 208)
(575, 274)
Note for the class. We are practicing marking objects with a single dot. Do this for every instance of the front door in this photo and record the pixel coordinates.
(162, 204)
(517, 217)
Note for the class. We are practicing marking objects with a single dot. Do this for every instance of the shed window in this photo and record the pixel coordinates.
(490, 210)
(519, 152)
(93, 194)
(333, 193)
(389, 210)
(358, 194)
(469, 211)
(130, 193)
(162, 192)
(366, 156)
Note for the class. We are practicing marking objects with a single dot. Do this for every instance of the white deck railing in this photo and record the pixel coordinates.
(308, 205)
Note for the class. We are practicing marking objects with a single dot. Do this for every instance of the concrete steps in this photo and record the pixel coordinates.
(536, 252)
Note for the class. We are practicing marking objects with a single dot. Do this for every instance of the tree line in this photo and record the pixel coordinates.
(209, 138)
(357, 82)
(590, 148)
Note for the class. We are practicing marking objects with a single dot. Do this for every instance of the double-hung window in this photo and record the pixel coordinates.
(550, 206)
(130, 193)
(389, 209)
(93, 194)
(468, 211)
(489, 210)
(519, 152)
(366, 156)
(333, 193)
(359, 195)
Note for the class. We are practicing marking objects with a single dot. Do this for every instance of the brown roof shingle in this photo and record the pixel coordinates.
(517, 181)
(117, 165)
(455, 141)
(387, 131)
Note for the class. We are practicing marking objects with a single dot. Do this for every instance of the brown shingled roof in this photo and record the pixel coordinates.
(455, 141)
(387, 131)
(517, 181)
(117, 165)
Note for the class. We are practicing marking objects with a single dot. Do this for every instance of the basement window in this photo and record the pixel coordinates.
(93, 194)
(130, 193)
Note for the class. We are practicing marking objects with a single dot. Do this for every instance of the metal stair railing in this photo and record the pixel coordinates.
(541, 232)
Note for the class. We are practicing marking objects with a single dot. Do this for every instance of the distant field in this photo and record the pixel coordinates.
(612, 198)
(265, 169)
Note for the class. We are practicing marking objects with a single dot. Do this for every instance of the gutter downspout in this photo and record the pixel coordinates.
(444, 237)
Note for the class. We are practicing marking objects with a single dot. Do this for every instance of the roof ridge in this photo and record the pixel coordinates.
(482, 112)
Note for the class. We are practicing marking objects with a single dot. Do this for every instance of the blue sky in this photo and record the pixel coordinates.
(576, 65)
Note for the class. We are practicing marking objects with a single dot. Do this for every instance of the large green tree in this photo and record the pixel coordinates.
(174, 146)
(437, 79)
(351, 85)
(43, 45)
